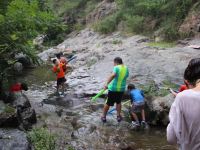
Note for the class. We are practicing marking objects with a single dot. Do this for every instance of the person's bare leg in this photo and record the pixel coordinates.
(118, 108)
(143, 115)
(105, 110)
(135, 117)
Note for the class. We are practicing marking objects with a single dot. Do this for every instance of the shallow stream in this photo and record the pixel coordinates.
(76, 120)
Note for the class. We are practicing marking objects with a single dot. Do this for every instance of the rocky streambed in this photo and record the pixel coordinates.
(76, 121)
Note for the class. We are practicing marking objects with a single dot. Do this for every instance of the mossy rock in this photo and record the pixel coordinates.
(9, 117)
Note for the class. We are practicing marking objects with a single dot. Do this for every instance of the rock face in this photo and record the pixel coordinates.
(13, 139)
(158, 109)
(24, 60)
(190, 26)
(18, 67)
(19, 113)
(8, 116)
(95, 54)
(104, 9)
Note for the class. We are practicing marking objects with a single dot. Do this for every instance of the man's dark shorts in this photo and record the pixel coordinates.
(114, 97)
(61, 81)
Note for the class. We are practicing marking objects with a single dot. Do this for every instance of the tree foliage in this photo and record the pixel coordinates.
(20, 22)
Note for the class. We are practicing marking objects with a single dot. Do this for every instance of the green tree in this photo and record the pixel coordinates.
(20, 22)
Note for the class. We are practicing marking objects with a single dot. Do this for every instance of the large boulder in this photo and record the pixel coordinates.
(21, 100)
(17, 113)
(158, 110)
(24, 60)
(28, 118)
(8, 116)
(13, 139)
(26, 114)
(18, 67)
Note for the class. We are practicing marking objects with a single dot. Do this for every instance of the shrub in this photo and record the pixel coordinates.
(108, 25)
(135, 23)
(162, 44)
(170, 31)
(42, 139)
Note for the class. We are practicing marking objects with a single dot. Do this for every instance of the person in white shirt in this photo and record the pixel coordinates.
(184, 116)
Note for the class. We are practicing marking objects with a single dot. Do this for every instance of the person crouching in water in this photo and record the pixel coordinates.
(137, 102)
(58, 69)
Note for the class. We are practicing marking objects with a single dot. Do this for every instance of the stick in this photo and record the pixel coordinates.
(71, 59)
(113, 109)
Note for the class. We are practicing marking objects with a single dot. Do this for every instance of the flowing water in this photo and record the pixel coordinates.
(76, 120)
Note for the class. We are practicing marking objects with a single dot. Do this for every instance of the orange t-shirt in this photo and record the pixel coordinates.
(59, 70)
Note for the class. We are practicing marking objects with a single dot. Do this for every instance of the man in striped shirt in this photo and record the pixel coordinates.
(116, 86)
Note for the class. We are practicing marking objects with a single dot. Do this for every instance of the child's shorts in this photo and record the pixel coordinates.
(137, 107)
(61, 81)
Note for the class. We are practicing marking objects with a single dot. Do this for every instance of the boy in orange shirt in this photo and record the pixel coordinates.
(58, 69)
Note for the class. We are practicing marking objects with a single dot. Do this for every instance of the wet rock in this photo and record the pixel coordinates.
(95, 107)
(8, 116)
(21, 100)
(13, 139)
(162, 103)
(24, 60)
(28, 117)
(18, 112)
(59, 112)
(18, 67)
(159, 110)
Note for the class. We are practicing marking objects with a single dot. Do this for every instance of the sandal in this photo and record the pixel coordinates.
(103, 119)
(119, 118)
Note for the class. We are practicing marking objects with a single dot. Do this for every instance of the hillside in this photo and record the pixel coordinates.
(162, 20)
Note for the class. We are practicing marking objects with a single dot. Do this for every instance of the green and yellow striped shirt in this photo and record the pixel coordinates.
(118, 84)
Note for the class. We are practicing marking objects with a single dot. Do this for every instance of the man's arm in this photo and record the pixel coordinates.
(112, 76)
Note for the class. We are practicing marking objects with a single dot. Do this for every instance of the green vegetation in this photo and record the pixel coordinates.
(117, 42)
(9, 109)
(146, 16)
(70, 148)
(162, 44)
(38, 75)
(107, 25)
(20, 22)
(42, 139)
(152, 90)
(73, 12)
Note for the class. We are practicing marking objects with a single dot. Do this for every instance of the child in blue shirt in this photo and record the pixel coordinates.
(137, 101)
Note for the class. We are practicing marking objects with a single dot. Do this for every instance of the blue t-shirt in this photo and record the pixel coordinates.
(137, 96)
